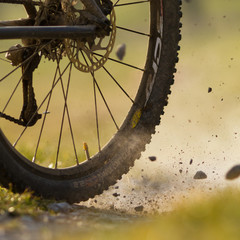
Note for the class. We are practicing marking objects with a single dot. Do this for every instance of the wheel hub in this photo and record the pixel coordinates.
(87, 54)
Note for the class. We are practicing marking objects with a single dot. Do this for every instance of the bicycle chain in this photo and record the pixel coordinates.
(12, 119)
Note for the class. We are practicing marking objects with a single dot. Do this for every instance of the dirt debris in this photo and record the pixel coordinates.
(139, 208)
(200, 175)
(116, 194)
(152, 158)
(209, 89)
(121, 51)
(233, 173)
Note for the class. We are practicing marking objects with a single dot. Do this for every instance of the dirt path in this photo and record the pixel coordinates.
(68, 219)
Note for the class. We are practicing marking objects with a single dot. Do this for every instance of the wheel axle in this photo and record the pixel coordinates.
(49, 32)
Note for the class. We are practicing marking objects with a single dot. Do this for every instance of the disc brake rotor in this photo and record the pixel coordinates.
(88, 58)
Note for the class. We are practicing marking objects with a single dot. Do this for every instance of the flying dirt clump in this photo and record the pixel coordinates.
(139, 208)
(152, 158)
(233, 173)
(209, 89)
(121, 51)
(200, 175)
(116, 194)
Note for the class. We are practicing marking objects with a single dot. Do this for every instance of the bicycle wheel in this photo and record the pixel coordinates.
(42, 151)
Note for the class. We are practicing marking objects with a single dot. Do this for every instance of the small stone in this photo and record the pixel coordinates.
(26, 219)
(233, 173)
(200, 175)
(152, 158)
(62, 207)
(191, 161)
(139, 208)
(209, 89)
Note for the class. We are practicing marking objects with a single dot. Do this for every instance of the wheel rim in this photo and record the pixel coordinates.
(68, 111)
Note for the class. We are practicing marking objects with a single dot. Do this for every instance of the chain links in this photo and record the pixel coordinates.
(12, 119)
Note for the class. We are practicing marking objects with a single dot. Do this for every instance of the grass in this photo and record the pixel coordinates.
(16, 204)
(214, 217)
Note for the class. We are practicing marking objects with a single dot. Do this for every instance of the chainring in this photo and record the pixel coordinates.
(91, 57)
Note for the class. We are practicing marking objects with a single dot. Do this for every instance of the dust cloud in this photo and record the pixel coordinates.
(158, 186)
(199, 131)
(184, 145)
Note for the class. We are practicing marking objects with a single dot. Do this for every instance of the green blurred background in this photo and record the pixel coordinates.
(209, 58)
(198, 125)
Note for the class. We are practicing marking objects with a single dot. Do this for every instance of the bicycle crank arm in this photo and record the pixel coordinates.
(47, 32)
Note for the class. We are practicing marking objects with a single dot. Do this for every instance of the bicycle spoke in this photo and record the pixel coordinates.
(118, 84)
(115, 80)
(133, 31)
(25, 61)
(11, 72)
(4, 60)
(44, 118)
(96, 112)
(95, 103)
(126, 64)
(14, 50)
(68, 115)
(103, 98)
(130, 3)
(60, 134)
(114, 60)
(14, 90)
(65, 111)
(116, 3)
(43, 101)
(105, 102)
(92, 60)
